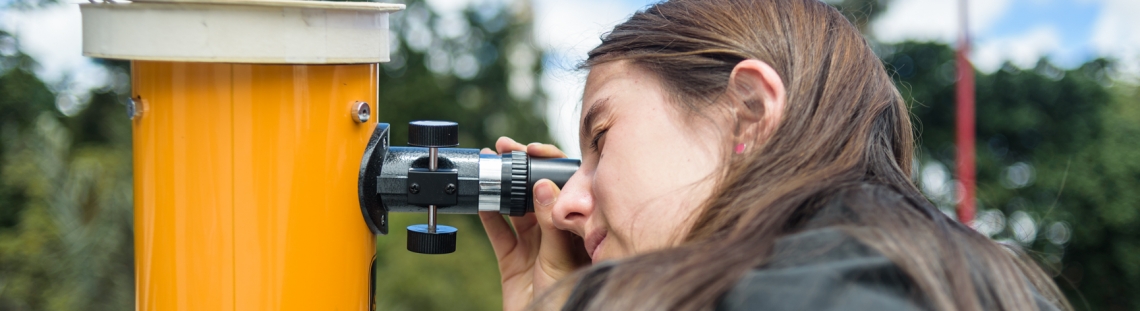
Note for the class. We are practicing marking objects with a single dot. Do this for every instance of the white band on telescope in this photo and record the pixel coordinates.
(490, 182)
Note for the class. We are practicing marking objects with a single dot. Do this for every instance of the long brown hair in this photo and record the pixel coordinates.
(845, 127)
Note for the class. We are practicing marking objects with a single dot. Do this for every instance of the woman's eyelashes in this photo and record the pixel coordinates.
(597, 138)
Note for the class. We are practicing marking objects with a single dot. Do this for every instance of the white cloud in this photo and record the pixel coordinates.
(1022, 50)
(564, 92)
(574, 27)
(1115, 34)
(567, 30)
(54, 37)
(934, 19)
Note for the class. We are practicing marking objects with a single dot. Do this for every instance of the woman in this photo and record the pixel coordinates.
(747, 154)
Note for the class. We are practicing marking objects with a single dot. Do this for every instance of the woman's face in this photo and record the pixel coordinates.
(646, 165)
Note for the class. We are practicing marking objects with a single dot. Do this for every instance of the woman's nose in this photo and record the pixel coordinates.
(575, 205)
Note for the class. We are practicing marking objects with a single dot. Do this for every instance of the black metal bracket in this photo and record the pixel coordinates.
(375, 213)
(439, 188)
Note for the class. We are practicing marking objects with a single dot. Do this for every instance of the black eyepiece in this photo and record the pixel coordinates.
(521, 172)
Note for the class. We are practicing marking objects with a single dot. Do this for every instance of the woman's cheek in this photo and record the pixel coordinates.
(601, 188)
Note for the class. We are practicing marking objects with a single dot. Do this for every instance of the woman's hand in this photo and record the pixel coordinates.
(536, 254)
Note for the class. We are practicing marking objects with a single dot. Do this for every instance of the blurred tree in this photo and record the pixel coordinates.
(860, 12)
(65, 218)
(1102, 201)
(1056, 172)
(478, 67)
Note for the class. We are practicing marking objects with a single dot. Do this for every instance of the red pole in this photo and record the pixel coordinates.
(965, 124)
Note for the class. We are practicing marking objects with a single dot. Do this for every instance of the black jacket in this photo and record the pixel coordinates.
(846, 275)
(820, 268)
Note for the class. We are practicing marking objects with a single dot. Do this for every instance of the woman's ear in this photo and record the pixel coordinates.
(758, 98)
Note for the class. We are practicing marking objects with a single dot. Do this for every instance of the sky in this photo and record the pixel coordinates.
(1068, 32)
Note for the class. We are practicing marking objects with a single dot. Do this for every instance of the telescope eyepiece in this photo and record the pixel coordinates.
(521, 172)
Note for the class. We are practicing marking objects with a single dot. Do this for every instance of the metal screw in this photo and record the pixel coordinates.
(361, 112)
(133, 111)
(450, 189)
(414, 188)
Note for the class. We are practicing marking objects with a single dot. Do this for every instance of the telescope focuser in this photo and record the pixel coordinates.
(434, 177)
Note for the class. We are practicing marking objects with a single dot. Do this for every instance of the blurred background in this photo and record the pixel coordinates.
(1058, 122)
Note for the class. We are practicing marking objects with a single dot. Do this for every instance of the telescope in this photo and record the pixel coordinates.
(431, 176)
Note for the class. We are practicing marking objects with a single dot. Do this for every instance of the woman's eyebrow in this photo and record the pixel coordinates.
(597, 109)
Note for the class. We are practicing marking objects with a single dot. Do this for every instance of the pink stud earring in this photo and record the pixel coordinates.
(739, 148)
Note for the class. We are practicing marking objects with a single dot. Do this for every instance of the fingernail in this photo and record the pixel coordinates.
(544, 193)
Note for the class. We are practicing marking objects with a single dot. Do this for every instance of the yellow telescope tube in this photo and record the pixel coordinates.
(248, 133)
(245, 186)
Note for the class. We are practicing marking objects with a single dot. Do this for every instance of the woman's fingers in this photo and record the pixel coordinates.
(526, 227)
(544, 151)
(506, 145)
(562, 251)
(566, 247)
(504, 240)
(499, 232)
(534, 254)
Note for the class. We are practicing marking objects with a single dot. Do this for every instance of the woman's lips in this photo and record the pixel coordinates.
(592, 242)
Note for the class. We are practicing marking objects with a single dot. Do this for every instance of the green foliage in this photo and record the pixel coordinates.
(431, 77)
(1056, 152)
(65, 217)
(1101, 198)
(860, 12)
(22, 97)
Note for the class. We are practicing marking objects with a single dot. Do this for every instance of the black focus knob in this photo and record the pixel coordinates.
(442, 241)
(437, 134)
(514, 195)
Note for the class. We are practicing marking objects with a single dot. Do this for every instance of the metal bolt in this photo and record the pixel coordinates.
(450, 189)
(133, 111)
(414, 188)
(361, 112)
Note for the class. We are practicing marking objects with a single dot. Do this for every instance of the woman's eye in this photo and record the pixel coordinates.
(596, 139)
